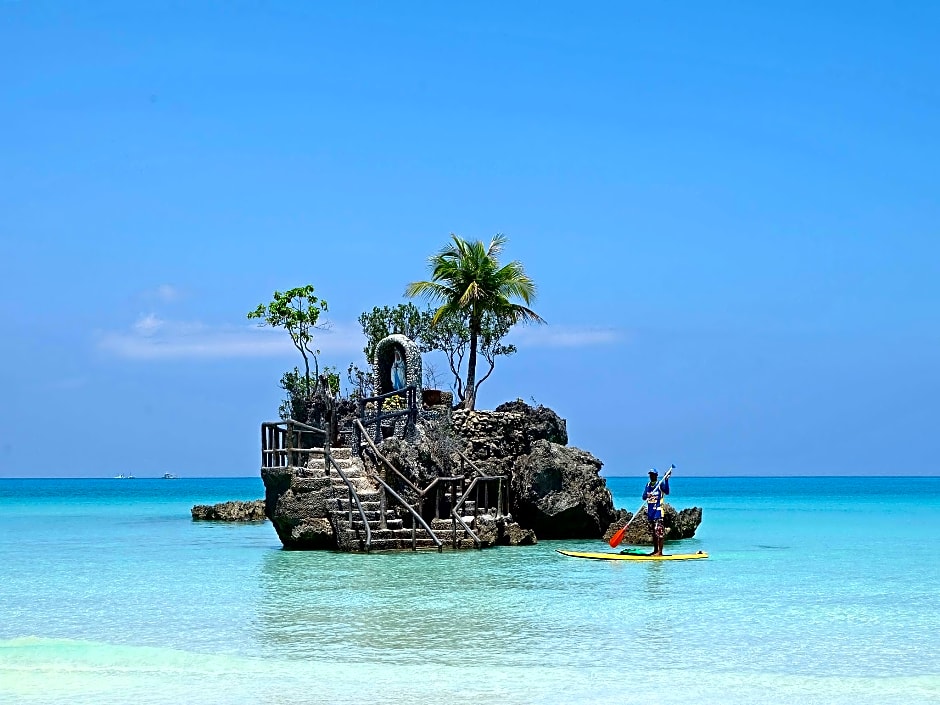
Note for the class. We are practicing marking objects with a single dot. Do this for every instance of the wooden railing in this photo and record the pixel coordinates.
(480, 481)
(375, 417)
(484, 481)
(416, 515)
(353, 498)
(291, 443)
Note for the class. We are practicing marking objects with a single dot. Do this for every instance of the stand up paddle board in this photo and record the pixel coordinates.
(633, 556)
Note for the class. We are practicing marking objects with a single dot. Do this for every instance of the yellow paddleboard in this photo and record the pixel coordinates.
(633, 556)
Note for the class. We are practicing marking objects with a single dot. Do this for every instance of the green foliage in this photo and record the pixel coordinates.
(332, 379)
(298, 312)
(406, 319)
(295, 406)
(451, 335)
(471, 286)
(395, 403)
(360, 382)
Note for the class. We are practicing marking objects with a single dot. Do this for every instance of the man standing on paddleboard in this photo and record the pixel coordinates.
(654, 509)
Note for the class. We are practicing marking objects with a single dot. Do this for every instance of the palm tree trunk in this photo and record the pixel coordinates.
(470, 393)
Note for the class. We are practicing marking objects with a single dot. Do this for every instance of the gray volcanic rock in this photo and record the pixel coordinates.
(540, 422)
(493, 532)
(558, 492)
(297, 508)
(230, 511)
(687, 522)
(515, 535)
(678, 524)
(312, 534)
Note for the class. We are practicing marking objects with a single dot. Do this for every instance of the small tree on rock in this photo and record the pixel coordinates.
(298, 312)
(406, 319)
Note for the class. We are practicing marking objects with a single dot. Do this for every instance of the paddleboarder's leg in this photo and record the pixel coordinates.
(659, 534)
(651, 523)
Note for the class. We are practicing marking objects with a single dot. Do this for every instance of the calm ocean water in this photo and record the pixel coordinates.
(823, 590)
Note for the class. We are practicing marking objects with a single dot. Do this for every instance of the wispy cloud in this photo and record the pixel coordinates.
(153, 338)
(552, 336)
(165, 293)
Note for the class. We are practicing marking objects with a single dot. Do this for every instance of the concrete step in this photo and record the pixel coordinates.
(390, 524)
(363, 483)
(310, 484)
(342, 504)
(319, 471)
(340, 455)
(400, 540)
(377, 534)
(400, 545)
(342, 515)
(445, 524)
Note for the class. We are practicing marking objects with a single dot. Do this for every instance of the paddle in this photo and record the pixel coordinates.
(618, 537)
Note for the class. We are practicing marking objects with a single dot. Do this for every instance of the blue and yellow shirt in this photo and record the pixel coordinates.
(654, 499)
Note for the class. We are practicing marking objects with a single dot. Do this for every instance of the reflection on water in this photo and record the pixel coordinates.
(405, 608)
(656, 579)
(656, 630)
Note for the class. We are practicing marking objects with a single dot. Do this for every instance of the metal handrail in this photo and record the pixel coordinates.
(276, 441)
(386, 461)
(293, 422)
(391, 466)
(456, 514)
(421, 493)
(482, 476)
(354, 496)
(411, 509)
(387, 395)
(470, 462)
(409, 394)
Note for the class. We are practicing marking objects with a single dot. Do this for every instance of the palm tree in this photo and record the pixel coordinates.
(469, 282)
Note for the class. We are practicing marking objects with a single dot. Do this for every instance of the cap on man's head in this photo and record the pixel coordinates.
(653, 471)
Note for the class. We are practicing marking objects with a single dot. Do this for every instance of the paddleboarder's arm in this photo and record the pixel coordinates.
(665, 486)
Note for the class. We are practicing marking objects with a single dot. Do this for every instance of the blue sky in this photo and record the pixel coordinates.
(731, 213)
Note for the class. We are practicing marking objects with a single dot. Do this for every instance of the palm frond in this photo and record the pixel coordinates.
(496, 245)
(467, 278)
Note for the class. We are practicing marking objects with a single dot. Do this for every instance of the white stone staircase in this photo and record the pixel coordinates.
(391, 532)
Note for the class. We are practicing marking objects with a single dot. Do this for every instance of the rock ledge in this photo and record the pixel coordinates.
(230, 511)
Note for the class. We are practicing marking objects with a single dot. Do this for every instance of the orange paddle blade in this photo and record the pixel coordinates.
(618, 537)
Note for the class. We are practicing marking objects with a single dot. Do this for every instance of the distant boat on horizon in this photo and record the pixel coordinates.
(122, 476)
(170, 476)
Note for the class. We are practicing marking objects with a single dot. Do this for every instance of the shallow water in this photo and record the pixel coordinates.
(819, 590)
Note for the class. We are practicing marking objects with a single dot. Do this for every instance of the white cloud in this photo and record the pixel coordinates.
(153, 338)
(148, 325)
(165, 293)
(550, 336)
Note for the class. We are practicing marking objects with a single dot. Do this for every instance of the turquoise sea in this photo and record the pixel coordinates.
(818, 590)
